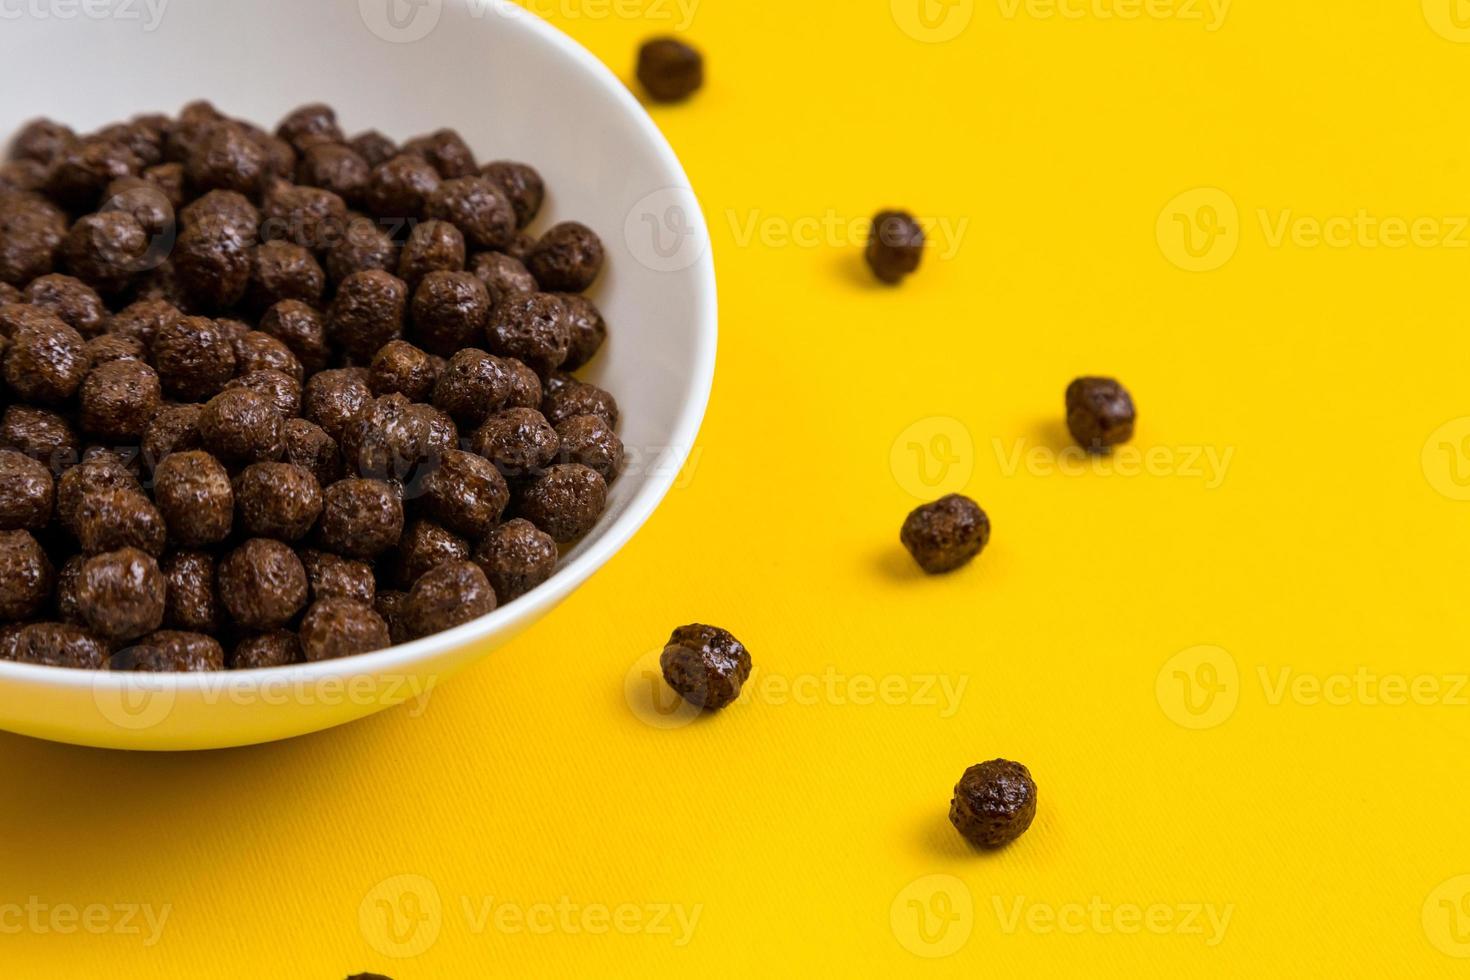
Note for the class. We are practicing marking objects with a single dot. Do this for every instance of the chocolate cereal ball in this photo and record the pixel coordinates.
(25, 576)
(589, 440)
(173, 428)
(106, 520)
(565, 397)
(336, 399)
(994, 803)
(227, 158)
(194, 494)
(516, 557)
(588, 330)
(446, 596)
(256, 350)
(1100, 413)
(669, 70)
(121, 594)
(40, 434)
(242, 426)
(519, 441)
(373, 147)
(337, 168)
(143, 319)
(274, 649)
(194, 357)
(212, 259)
(234, 210)
(334, 628)
(300, 327)
(192, 603)
(478, 207)
(277, 500)
(310, 448)
(450, 310)
(423, 546)
(332, 576)
(150, 207)
(115, 347)
(525, 385)
(705, 665)
(522, 186)
(466, 494)
(118, 400)
(281, 271)
(84, 167)
(534, 329)
(367, 313)
(504, 276)
(472, 385)
(395, 437)
(58, 645)
(895, 246)
(94, 474)
(401, 368)
(360, 518)
(364, 246)
(565, 501)
(400, 187)
(262, 584)
(46, 360)
(171, 651)
(31, 233)
(567, 258)
(281, 390)
(307, 216)
(76, 303)
(41, 140)
(310, 124)
(946, 534)
(432, 246)
(27, 492)
(446, 150)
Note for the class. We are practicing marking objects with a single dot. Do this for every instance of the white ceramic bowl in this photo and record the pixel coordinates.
(515, 88)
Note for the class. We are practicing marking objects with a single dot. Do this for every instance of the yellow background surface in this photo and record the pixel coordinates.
(1233, 657)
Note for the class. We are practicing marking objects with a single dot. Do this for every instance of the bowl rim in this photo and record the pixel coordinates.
(529, 607)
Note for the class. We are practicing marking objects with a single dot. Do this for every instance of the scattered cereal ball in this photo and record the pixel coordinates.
(446, 150)
(108, 347)
(400, 187)
(76, 303)
(588, 330)
(478, 208)
(946, 534)
(227, 158)
(472, 385)
(310, 448)
(281, 390)
(242, 426)
(895, 246)
(118, 400)
(669, 70)
(565, 397)
(301, 328)
(27, 492)
(504, 276)
(31, 233)
(143, 319)
(40, 434)
(373, 147)
(447, 596)
(106, 520)
(525, 385)
(567, 258)
(212, 258)
(308, 216)
(334, 628)
(25, 576)
(994, 803)
(565, 501)
(262, 584)
(450, 310)
(534, 329)
(274, 649)
(336, 399)
(521, 184)
(173, 428)
(308, 125)
(367, 313)
(280, 271)
(519, 441)
(332, 576)
(589, 440)
(401, 368)
(360, 518)
(364, 246)
(432, 246)
(46, 360)
(84, 167)
(171, 651)
(705, 665)
(59, 645)
(277, 500)
(336, 168)
(193, 492)
(516, 557)
(41, 140)
(121, 594)
(425, 545)
(1100, 413)
(191, 602)
(466, 494)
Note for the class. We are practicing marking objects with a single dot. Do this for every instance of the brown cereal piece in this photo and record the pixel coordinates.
(10, 295)
(310, 124)
(144, 136)
(895, 246)
(534, 329)
(705, 665)
(589, 440)
(229, 207)
(97, 474)
(565, 501)
(1100, 414)
(567, 258)
(110, 347)
(466, 494)
(669, 70)
(193, 492)
(227, 158)
(45, 361)
(308, 216)
(425, 545)
(401, 368)
(118, 400)
(301, 328)
(74, 301)
(281, 390)
(41, 140)
(173, 428)
(284, 271)
(23, 176)
(472, 385)
(262, 584)
(84, 167)
(67, 608)
(364, 246)
(58, 645)
(194, 356)
(336, 168)
(564, 396)
(191, 126)
(31, 233)
(432, 246)
(519, 441)
(399, 188)
(309, 447)
(504, 276)
(169, 179)
(449, 311)
(334, 628)
(242, 426)
(993, 803)
(396, 439)
(277, 500)
(525, 385)
(25, 576)
(142, 319)
(121, 594)
(27, 492)
(946, 534)
(447, 595)
(360, 518)
(446, 150)
(521, 184)
(373, 147)
(171, 651)
(522, 246)
(390, 604)
(516, 557)
(256, 350)
(336, 399)
(148, 204)
(280, 154)
(478, 207)
(367, 313)
(212, 259)
(191, 603)
(332, 576)
(588, 330)
(277, 648)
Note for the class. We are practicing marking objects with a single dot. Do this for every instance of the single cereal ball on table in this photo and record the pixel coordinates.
(46, 360)
(76, 303)
(194, 357)
(27, 492)
(302, 328)
(993, 803)
(466, 494)
(31, 233)
(59, 645)
(589, 440)
(281, 390)
(516, 557)
(171, 651)
(121, 594)
(284, 271)
(307, 216)
(373, 147)
(425, 545)
(25, 576)
(335, 628)
(331, 576)
(227, 159)
(193, 491)
(588, 330)
(40, 434)
(504, 276)
(118, 400)
(277, 500)
(336, 399)
(242, 426)
(669, 70)
(565, 501)
(401, 368)
(449, 312)
(143, 319)
(567, 258)
(946, 534)
(106, 520)
(309, 447)
(336, 168)
(367, 313)
(432, 246)
(519, 441)
(192, 603)
(705, 665)
(478, 208)
(522, 186)
(360, 518)
(446, 150)
(1100, 413)
(895, 246)
(364, 245)
(566, 397)
(262, 584)
(447, 596)
(173, 428)
(472, 385)
(310, 124)
(400, 187)
(533, 329)
(109, 347)
(276, 648)
(211, 258)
